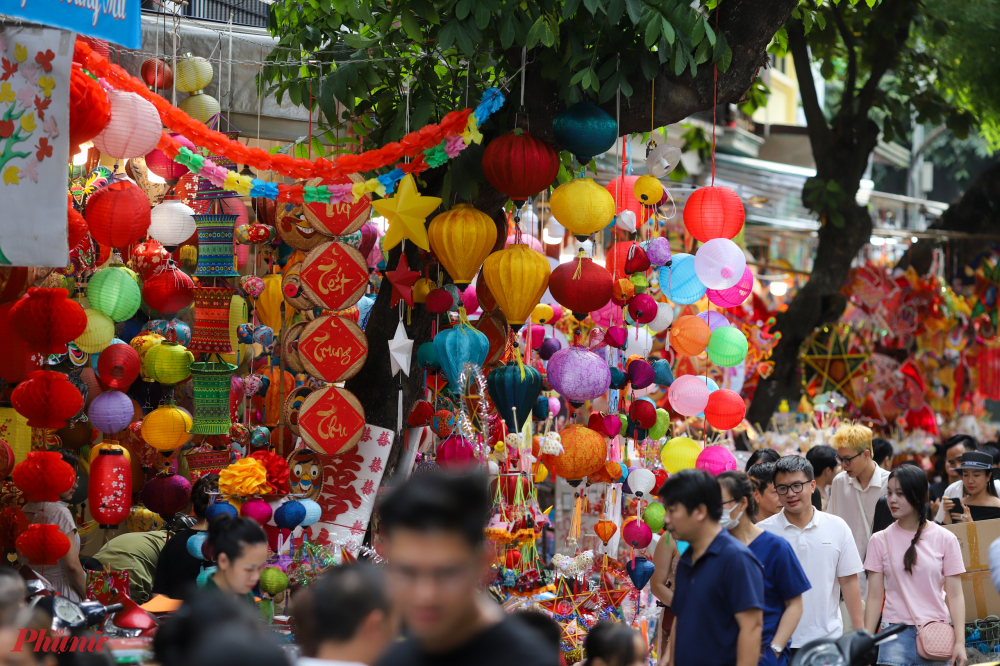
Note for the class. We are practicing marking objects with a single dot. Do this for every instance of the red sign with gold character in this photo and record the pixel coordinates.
(334, 276)
(332, 348)
(331, 420)
(338, 219)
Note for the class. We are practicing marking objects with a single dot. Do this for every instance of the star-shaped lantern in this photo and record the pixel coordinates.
(400, 349)
(406, 212)
(830, 365)
(402, 280)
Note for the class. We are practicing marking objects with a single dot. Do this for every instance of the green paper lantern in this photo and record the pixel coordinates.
(114, 292)
(653, 516)
(728, 346)
(273, 581)
(662, 423)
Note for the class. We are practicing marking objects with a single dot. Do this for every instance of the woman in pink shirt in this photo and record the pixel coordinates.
(914, 563)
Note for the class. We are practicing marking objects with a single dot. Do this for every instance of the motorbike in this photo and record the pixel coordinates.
(852, 649)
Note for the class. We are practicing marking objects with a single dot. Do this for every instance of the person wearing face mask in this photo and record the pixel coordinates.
(784, 580)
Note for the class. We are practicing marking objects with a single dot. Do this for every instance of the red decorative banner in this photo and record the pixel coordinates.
(334, 276)
(332, 348)
(331, 420)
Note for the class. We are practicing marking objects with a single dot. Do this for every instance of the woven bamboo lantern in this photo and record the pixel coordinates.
(211, 382)
(211, 320)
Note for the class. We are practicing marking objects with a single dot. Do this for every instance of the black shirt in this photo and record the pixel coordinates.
(177, 570)
(817, 499)
(507, 643)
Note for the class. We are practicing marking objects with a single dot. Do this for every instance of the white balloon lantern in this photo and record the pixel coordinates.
(171, 223)
(639, 342)
(719, 263)
(134, 128)
(641, 481)
(663, 319)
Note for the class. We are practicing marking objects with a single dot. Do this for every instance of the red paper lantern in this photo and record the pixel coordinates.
(6, 459)
(17, 360)
(169, 291)
(725, 409)
(166, 494)
(110, 487)
(519, 165)
(43, 476)
(98, 45)
(118, 214)
(713, 212)
(46, 319)
(46, 399)
(156, 74)
(78, 229)
(580, 286)
(277, 470)
(118, 366)
(148, 257)
(13, 524)
(89, 108)
(43, 544)
(643, 414)
(623, 191)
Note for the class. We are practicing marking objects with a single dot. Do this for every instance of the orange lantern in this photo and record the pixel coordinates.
(584, 453)
(690, 335)
(605, 529)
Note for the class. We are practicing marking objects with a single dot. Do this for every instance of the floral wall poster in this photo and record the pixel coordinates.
(35, 66)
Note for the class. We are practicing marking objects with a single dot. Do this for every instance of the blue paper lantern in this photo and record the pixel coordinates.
(313, 512)
(619, 379)
(663, 375)
(510, 391)
(680, 282)
(216, 509)
(195, 542)
(639, 570)
(585, 130)
(457, 346)
(289, 515)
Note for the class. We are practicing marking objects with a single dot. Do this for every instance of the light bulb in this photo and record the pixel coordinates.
(778, 288)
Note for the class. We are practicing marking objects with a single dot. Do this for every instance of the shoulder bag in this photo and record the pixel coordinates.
(935, 640)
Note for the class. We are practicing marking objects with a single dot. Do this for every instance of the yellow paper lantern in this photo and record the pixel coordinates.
(582, 206)
(193, 73)
(142, 344)
(648, 190)
(421, 288)
(679, 453)
(461, 239)
(239, 313)
(269, 303)
(542, 314)
(166, 428)
(168, 363)
(200, 107)
(98, 334)
(517, 277)
(107, 446)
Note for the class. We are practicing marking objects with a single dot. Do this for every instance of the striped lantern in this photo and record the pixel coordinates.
(166, 428)
(194, 73)
(211, 320)
(215, 246)
(200, 106)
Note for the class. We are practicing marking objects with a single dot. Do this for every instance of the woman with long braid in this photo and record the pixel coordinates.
(914, 563)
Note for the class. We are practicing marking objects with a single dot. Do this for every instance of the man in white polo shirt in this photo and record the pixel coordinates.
(825, 548)
(855, 491)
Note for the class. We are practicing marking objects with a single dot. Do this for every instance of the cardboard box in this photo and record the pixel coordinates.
(981, 598)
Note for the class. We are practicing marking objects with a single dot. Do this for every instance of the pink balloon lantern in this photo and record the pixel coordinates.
(715, 460)
(236, 387)
(735, 295)
(537, 335)
(713, 319)
(469, 299)
(688, 395)
(719, 263)
(554, 406)
(557, 311)
(530, 241)
(642, 308)
(603, 316)
(257, 510)
(456, 453)
(637, 534)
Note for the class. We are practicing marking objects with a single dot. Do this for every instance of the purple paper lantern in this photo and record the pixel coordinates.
(166, 494)
(578, 374)
(713, 319)
(111, 412)
(658, 251)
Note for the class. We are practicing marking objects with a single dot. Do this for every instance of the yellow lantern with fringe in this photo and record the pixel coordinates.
(517, 277)
(582, 206)
(461, 239)
(269, 302)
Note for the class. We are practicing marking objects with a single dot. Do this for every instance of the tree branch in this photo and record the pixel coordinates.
(819, 131)
(899, 13)
(847, 102)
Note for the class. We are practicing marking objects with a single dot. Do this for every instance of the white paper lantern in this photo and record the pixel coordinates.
(626, 221)
(134, 128)
(172, 223)
(193, 74)
(639, 342)
(663, 319)
(719, 263)
(641, 481)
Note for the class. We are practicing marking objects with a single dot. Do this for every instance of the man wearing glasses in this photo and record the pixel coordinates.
(855, 491)
(825, 548)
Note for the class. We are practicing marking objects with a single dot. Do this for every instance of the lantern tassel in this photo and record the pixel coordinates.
(399, 412)
(579, 265)
(520, 363)
(574, 530)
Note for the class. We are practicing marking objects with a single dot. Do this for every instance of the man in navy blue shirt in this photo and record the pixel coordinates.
(719, 589)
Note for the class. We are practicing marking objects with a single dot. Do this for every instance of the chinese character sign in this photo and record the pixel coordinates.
(35, 67)
(117, 21)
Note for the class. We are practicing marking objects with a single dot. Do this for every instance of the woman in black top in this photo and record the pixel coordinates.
(980, 501)
(177, 570)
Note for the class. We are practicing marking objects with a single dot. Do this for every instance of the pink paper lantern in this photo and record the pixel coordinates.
(715, 460)
(637, 534)
(469, 300)
(733, 296)
(603, 316)
(713, 319)
(134, 128)
(257, 510)
(530, 241)
(456, 453)
(554, 406)
(557, 311)
(719, 263)
(537, 335)
(688, 395)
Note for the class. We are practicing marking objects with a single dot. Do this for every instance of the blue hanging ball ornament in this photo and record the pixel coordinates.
(457, 346)
(244, 332)
(427, 358)
(585, 130)
(264, 336)
(639, 571)
(216, 509)
(313, 512)
(549, 347)
(205, 575)
(541, 409)
(680, 282)
(619, 379)
(663, 376)
(509, 391)
(289, 515)
(195, 542)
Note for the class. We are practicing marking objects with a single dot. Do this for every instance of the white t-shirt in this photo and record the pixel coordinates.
(956, 490)
(857, 508)
(827, 552)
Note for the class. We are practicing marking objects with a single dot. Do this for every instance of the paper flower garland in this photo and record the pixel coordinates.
(243, 478)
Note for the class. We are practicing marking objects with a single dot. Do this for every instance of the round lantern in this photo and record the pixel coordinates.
(719, 264)
(653, 515)
(89, 108)
(690, 335)
(456, 453)
(579, 375)
(18, 359)
(168, 363)
(43, 476)
(77, 229)
(156, 74)
(194, 73)
(273, 581)
(680, 453)
(725, 409)
(735, 295)
(585, 130)
(688, 395)
(517, 277)
(43, 545)
(118, 214)
(637, 534)
(643, 413)
(46, 399)
(728, 347)
(641, 481)
(519, 165)
(159, 163)
(584, 452)
(581, 285)
(217, 508)
(166, 494)
(110, 489)
(7, 460)
(642, 308)
(638, 343)
(98, 334)
(172, 223)
(169, 291)
(640, 374)
(713, 319)
(713, 212)
(715, 460)
(148, 257)
(658, 251)
(111, 412)
(457, 346)
(514, 389)
(257, 510)
(46, 319)
(196, 542)
(582, 206)
(134, 128)
(679, 281)
(118, 366)
(648, 190)
(114, 292)
(663, 319)
(313, 512)
(289, 515)
(201, 107)
(461, 239)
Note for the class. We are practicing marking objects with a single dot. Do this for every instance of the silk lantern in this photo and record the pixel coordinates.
(114, 292)
(713, 212)
(46, 319)
(118, 366)
(43, 545)
(689, 335)
(289, 515)
(456, 453)
(641, 482)
(735, 295)
(578, 374)
(166, 494)
(643, 413)
(169, 291)
(637, 534)
(111, 412)
(725, 409)
(688, 395)
(218, 508)
(517, 277)
(658, 251)
(715, 460)
(581, 286)
(640, 374)
(43, 476)
(514, 388)
(719, 264)
(148, 257)
(110, 489)
(99, 333)
(662, 374)
(642, 308)
(728, 347)
(47, 399)
(172, 222)
(585, 130)
(582, 206)
(134, 127)
(679, 281)
(679, 453)
(654, 515)
(257, 510)
(584, 452)
(519, 165)
(457, 346)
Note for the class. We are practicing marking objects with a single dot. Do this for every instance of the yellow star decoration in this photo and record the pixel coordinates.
(406, 212)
